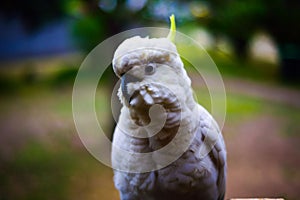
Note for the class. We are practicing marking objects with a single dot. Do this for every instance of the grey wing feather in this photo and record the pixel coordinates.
(209, 128)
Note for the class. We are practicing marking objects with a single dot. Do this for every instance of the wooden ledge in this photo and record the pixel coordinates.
(258, 199)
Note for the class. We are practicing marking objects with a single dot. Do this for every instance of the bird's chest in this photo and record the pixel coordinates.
(182, 176)
(186, 178)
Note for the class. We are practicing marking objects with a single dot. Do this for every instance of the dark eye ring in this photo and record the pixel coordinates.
(150, 68)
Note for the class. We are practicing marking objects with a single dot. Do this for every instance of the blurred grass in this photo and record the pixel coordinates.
(41, 171)
(237, 105)
(38, 170)
(291, 117)
(50, 162)
(229, 65)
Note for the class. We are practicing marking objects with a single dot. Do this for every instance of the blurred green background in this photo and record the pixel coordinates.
(254, 43)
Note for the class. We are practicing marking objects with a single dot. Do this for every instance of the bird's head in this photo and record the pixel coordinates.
(151, 72)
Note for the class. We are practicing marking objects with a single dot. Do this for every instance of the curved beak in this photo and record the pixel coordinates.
(125, 79)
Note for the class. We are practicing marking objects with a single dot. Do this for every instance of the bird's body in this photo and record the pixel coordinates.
(153, 74)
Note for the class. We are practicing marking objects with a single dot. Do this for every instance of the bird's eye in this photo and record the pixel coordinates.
(150, 69)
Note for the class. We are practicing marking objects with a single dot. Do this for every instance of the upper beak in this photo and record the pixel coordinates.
(125, 79)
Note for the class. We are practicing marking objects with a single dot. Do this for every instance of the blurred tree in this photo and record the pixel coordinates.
(236, 19)
(98, 19)
(282, 21)
(240, 19)
(32, 13)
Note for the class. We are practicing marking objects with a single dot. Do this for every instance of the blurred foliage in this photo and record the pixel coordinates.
(95, 20)
(240, 19)
(88, 31)
(65, 76)
(32, 13)
(16, 81)
(237, 19)
(8, 84)
(282, 20)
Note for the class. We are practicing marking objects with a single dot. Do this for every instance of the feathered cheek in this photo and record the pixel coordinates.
(150, 94)
(132, 87)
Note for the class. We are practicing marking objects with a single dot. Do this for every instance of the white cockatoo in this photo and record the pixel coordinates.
(165, 145)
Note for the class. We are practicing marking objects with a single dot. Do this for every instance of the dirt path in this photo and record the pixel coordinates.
(262, 163)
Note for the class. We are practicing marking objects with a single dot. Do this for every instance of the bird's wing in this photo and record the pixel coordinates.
(213, 145)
